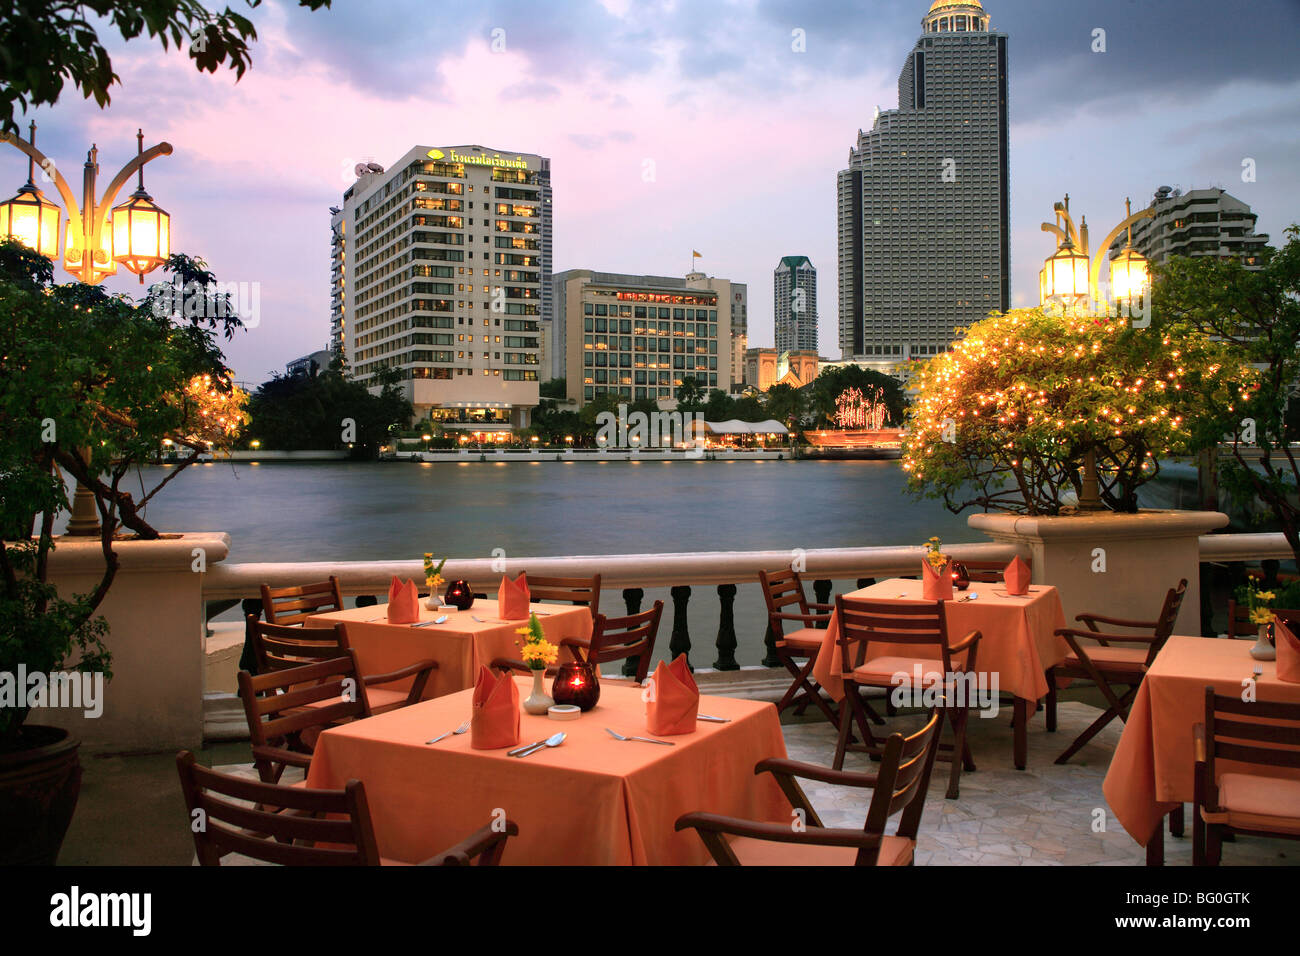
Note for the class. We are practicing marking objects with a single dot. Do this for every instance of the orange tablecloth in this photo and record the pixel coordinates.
(593, 800)
(459, 646)
(1152, 770)
(1018, 635)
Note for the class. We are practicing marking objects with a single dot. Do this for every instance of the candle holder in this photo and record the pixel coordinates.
(577, 683)
(460, 595)
(960, 576)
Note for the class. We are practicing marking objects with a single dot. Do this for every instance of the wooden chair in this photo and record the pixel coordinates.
(277, 647)
(612, 639)
(293, 605)
(862, 622)
(989, 572)
(1260, 734)
(899, 786)
(579, 591)
(287, 710)
(314, 828)
(1108, 666)
(798, 649)
(1241, 626)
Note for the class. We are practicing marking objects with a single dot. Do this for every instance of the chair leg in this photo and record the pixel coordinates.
(1051, 703)
(1198, 836)
(1213, 844)
(1119, 709)
(1176, 822)
(961, 756)
(846, 724)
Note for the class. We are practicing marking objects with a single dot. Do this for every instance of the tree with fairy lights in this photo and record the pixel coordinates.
(1005, 419)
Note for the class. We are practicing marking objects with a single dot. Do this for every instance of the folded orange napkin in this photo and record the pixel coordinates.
(936, 585)
(1017, 576)
(1288, 652)
(403, 602)
(513, 598)
(675, 701)
(494, 720)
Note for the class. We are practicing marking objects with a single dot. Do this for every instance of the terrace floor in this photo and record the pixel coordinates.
(130, 811)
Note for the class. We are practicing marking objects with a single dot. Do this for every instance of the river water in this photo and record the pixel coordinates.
(393, 510)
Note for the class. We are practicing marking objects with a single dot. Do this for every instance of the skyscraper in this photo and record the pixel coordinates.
(794, 304)
(440, 269)
(924, 205)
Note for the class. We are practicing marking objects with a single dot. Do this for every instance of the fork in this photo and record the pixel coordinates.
(459, 730)
(648, 740)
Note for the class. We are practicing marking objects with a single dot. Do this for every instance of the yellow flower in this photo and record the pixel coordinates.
(523, 630)
(428, 555)
(540, 651)
(1266, 596)
(436, 581)
(1261, 615)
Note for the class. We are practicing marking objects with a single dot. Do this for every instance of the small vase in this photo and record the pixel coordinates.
(433, 602)
(538, 702)
(1262, 650)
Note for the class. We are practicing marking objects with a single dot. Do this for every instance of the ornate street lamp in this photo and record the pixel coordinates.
(137, 233)
(1071, 278)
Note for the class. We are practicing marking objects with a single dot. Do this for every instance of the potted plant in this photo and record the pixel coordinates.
(91, 386)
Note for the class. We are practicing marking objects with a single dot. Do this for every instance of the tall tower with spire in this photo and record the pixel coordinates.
(924, 205)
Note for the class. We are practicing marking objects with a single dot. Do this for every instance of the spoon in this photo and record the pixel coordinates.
(441, 620)
(552, 741)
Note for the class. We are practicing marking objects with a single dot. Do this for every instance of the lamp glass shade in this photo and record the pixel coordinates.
(141, 234)
(1129, 276)
(102, 262)
(1065, 273)
(459, 595)
(577, 683)
(33, 220)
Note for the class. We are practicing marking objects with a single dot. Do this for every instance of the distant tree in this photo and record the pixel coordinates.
(720, 407)
(553, 388)
(44, 44)
(785, 404)
(690, 392)
(295, 412)
(823, 392)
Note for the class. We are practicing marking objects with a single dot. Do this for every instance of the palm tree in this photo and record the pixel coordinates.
(689, 391)
(785, 403)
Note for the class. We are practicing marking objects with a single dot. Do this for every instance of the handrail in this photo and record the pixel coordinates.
(227, 581)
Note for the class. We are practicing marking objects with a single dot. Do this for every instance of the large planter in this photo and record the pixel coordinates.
(39, 784)
(1119, 565)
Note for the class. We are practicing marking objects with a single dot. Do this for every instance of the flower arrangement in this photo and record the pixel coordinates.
(432, 572)
(934, 555)
(1262, 612)
(537, 652)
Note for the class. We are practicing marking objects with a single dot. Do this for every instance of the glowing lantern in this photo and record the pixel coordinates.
(141, 233)
(31, 219)
(101, 261)
(1129, 277)
(1064, 274)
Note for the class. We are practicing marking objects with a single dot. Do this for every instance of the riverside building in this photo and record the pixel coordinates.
(924, 205)
(637, 336)
(439, 269)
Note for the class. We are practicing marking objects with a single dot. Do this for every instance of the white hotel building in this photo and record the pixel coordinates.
(440, 267)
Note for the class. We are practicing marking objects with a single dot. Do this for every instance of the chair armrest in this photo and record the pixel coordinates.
(822, 607)
(280, 755)
(970, 640)
(812, 771)
(483, 841)
(776, 832)
(1102, 636)
(509, 664)
(806, 618)
(1089, 618)
(402, 672)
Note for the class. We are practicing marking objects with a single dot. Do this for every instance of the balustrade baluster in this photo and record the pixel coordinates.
(632, 598)
(726, 642)
(681, 639)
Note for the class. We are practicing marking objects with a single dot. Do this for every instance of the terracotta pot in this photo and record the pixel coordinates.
(39, 784)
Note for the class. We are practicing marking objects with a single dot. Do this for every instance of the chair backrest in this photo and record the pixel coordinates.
(279, 704)
(902, 782)
(989, 572)
(862, 621)
(1239, 622)
(615, 638)
(293, 605)
(1168, 617)
(278, 646)
(781, 590)
(582, 591)
(1257, 732)
(313, 827)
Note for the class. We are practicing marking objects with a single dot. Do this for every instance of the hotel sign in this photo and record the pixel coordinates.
(495, 160)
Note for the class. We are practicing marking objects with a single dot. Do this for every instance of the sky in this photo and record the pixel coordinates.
(672, 126)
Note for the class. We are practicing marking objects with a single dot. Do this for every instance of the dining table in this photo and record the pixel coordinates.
(1018, 641)
(460, 644)
(591, 800)
(1152, 771)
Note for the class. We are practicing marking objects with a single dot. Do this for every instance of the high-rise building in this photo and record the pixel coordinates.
(923, 214)
(440, 271)
(1202, 222)
(338, 257)
(637, 336)
(794, 304)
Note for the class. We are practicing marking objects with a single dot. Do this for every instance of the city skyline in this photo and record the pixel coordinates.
(330, 90)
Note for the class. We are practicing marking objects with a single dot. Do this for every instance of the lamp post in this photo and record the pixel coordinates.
(1071, 279)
